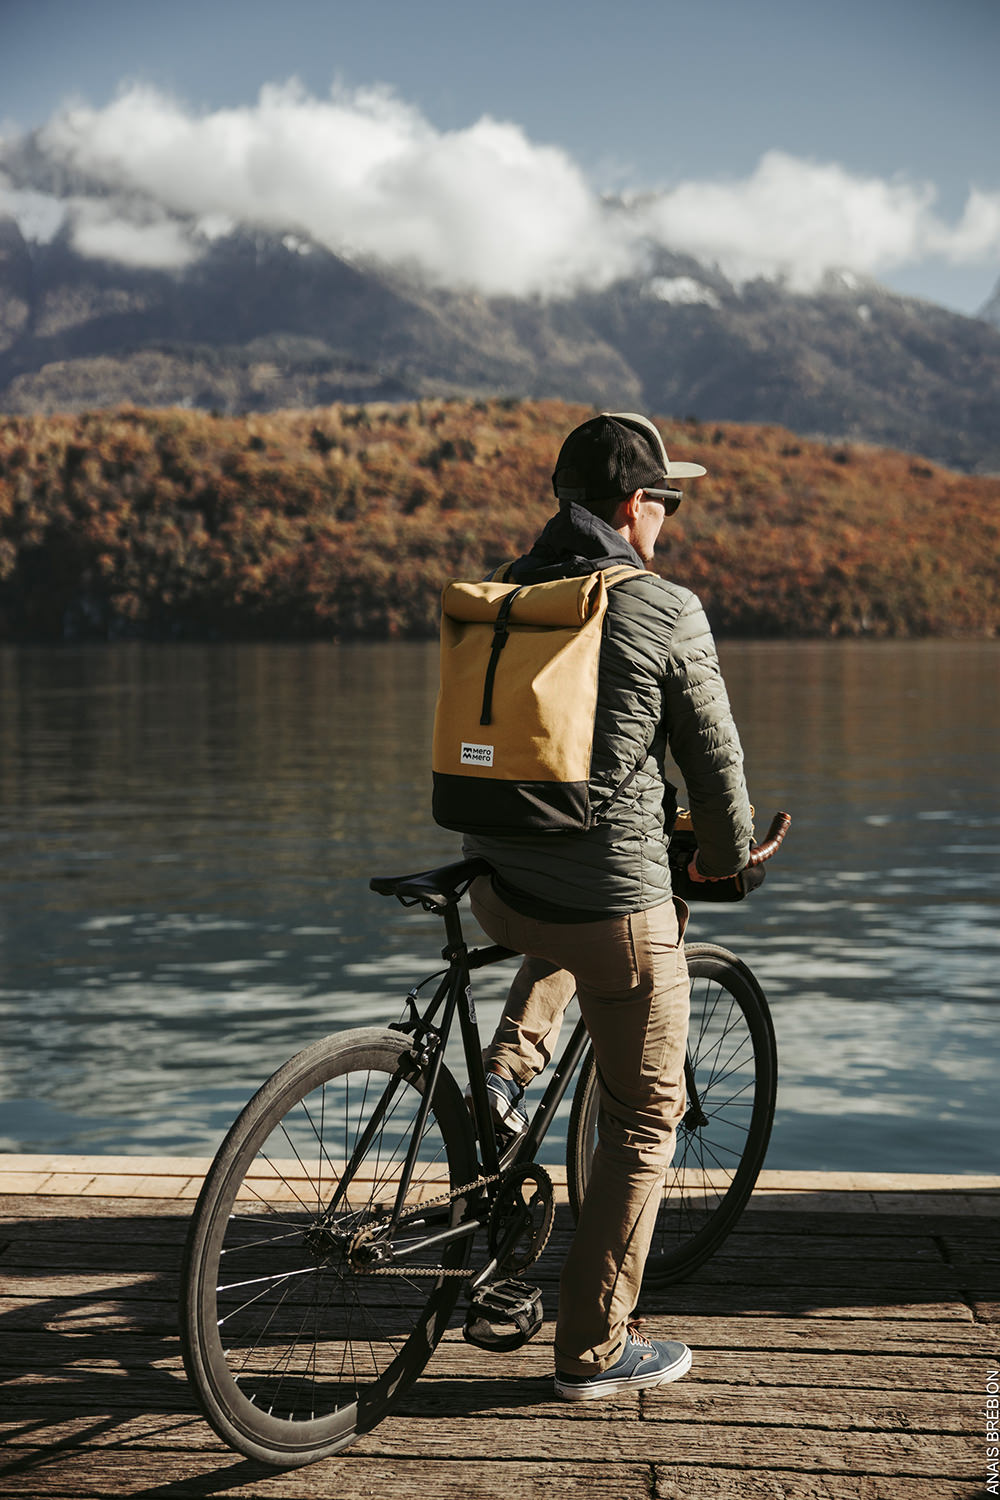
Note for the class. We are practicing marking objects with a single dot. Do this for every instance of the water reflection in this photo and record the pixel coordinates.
(187, 834)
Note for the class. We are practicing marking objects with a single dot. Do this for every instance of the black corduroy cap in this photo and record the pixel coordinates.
(611, 456)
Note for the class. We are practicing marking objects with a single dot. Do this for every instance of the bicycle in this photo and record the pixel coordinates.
(334, 1233)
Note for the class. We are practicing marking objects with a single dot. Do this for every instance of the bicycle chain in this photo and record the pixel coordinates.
(372, 1229)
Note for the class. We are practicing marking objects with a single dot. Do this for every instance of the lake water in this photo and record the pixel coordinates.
(187, 835)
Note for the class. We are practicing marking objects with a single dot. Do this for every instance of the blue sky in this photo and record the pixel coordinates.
(889, 107)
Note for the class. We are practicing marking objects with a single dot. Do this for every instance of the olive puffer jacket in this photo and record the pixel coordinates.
(659, 687)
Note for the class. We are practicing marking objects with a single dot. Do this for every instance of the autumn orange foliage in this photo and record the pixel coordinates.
(345, 521)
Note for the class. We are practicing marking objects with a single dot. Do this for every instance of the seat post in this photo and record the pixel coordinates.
(455, 941)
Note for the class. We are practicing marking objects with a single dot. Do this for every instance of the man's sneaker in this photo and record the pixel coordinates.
(505, 1098)
(643, 1363)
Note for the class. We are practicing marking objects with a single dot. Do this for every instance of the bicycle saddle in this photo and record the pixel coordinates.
(434, 889)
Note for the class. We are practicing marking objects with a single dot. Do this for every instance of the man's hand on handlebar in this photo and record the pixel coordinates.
(759, 853)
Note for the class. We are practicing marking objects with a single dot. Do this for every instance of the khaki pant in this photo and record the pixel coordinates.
(631, 979)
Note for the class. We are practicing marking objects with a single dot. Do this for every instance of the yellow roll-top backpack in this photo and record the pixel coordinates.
(514, 726)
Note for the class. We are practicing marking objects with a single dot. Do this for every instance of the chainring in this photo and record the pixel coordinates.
(520, 1220)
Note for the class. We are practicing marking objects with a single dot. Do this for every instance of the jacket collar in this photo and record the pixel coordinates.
(574, 542)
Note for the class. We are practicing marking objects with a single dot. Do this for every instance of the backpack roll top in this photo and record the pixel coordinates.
(514, 726)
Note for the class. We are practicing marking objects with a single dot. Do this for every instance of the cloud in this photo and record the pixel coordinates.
(366, 175)
(798, 219)
(106, 231)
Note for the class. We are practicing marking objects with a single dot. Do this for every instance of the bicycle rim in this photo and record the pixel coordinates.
(719, 1155)
(293, 1352)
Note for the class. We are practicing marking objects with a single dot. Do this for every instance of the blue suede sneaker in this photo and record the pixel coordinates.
(505, 1098)
(643, 1363)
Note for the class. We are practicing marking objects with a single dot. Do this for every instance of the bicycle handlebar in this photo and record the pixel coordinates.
(780, 824)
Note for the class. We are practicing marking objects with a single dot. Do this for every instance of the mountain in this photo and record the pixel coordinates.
(261, 322)
(990, 311)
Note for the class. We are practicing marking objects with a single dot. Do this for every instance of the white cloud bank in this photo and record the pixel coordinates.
(366, 175)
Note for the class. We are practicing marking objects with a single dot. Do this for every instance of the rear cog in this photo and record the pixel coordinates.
(521, 1218)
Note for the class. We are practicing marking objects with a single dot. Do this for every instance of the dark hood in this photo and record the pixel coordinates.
(573, 543)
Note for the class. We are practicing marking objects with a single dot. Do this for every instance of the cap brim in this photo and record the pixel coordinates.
(684, 471)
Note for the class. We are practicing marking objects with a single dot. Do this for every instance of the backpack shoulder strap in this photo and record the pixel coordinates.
(611, 575)
(621, 572)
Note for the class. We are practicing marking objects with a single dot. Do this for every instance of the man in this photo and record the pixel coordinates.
(592, 910)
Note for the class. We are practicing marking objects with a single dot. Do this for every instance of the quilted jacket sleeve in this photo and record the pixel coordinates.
(704, 743)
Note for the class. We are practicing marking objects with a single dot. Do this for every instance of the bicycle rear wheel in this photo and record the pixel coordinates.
(720, 1146)
(292, 1348)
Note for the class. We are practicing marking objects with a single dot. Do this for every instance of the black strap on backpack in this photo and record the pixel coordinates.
(500, 634)
(622, 785)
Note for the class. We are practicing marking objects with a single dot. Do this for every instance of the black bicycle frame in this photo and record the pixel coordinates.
(454, 992)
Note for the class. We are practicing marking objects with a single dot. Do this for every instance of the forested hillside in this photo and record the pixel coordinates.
(344, 521)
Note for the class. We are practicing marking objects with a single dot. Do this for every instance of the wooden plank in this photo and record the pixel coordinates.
(676, 1440)
(521, 1392)
(142, 1166)
(905, 1230)
(136, 1285)
(749, 1244)
(99, 1364)
(127, 1316)
(24, 1350)
(88, 1236)
(69, 1206)
(932, 1280)
(857, 1271)
(148, 1254)
(856, 1370)
(353, 1477)
(29, 1360)
(895, 1452)
(874, 1182)
(686, 1302)
(809, 1303)
(81, 1476)
(844, 1408)
(890, 1453)
(746, 1243)
(677, 1482)
(23, 1182)
(798, 1179)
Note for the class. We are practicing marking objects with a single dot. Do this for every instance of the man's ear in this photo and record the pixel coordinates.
(630, 508)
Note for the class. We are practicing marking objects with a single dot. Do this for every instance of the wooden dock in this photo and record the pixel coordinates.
(843, 1343)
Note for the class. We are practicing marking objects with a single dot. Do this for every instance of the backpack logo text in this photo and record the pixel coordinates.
(476, 755)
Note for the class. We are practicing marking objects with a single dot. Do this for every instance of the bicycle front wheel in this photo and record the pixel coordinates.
(722, 1139)
(291, 1340)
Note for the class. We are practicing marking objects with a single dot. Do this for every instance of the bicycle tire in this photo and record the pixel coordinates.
(732, 1048)
(292, 1352)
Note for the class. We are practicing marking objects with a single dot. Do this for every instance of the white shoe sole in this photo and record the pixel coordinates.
(635, 1382)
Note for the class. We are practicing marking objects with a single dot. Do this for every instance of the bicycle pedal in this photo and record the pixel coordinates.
(503, 1315)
